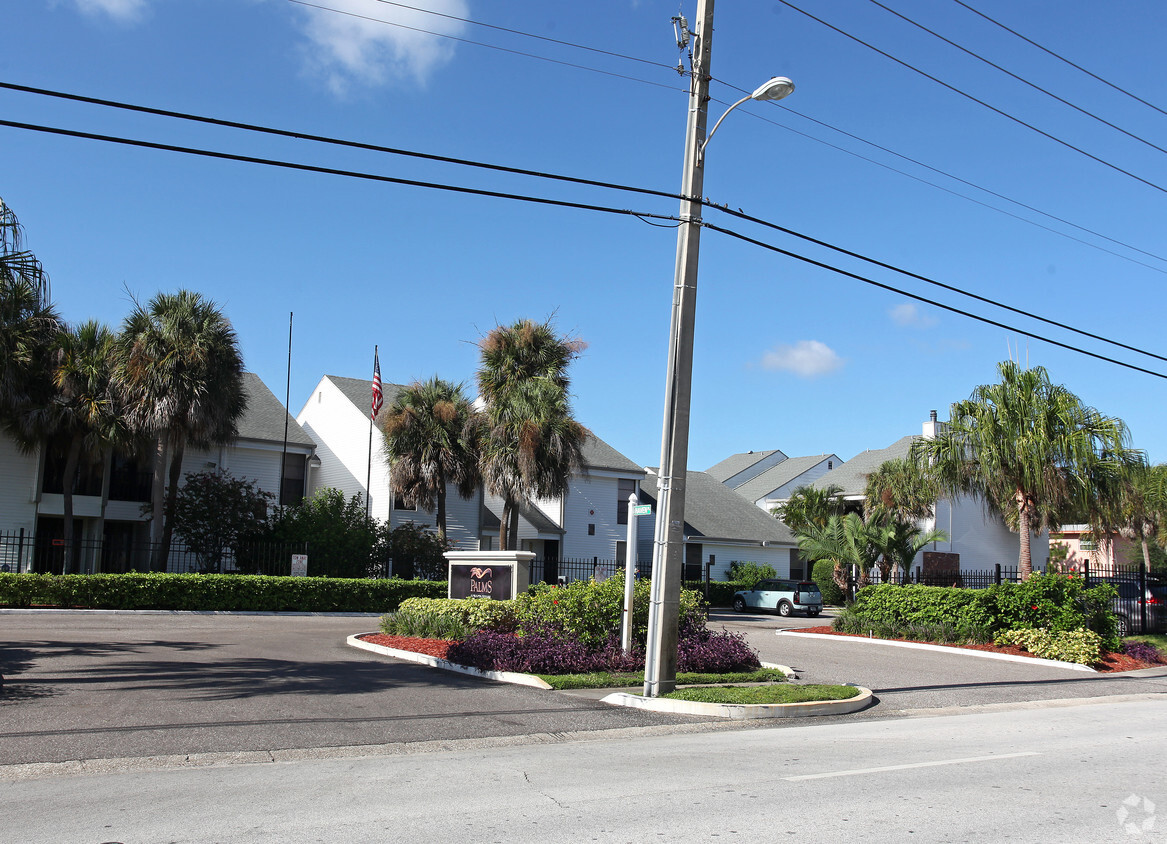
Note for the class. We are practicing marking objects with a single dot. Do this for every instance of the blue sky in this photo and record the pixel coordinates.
(787, 355)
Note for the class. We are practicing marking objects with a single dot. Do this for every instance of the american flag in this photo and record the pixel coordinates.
(378, 397)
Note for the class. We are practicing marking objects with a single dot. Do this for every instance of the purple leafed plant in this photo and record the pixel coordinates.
(701, 651)
(1142, 651)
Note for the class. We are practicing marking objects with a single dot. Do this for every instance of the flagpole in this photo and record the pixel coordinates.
(376, 405)
(287, 413)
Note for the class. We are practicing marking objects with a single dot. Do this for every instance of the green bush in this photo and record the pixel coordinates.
(823, 573)
(749, 573)
(590, 613)
(426, 625)
(1081, 646)
(720, 591)
(1054, 602)
(471, 613)
(211, 592)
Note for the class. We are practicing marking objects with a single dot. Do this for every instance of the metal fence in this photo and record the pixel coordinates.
(580, 568)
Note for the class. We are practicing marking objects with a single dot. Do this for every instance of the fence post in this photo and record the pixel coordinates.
(997, 574)
(1086, 573)
(20, 554)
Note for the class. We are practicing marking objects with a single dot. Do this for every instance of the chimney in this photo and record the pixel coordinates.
(931, 426)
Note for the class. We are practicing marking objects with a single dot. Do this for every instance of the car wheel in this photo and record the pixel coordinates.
(1123, 625)
(784, 608)
(739, 604)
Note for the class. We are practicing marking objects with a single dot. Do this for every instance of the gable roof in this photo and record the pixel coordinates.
(778, 476)
(715, 511)
(264, 416)
(597, 454)
(735, 464)
(852, 475)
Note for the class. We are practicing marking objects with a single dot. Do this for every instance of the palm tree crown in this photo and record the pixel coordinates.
(428, 443)
(529, 442)
(1031, 451)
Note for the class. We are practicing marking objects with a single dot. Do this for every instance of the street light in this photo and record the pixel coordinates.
(660, 668)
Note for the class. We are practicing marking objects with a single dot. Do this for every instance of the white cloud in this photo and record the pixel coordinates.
(806, 358)
(359, 48)
(119, 10)
(908, 315)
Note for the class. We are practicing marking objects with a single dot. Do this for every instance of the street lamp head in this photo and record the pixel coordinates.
(774, 89)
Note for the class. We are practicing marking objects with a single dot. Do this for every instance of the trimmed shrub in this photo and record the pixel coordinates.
(424, 625)
(823, 573)
(471, 613)
(591, 613)
(720, 591)
(211, 592)
(1081, 646)
(749, 573)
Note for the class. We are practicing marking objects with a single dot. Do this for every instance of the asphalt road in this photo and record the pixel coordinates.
(1090, 773)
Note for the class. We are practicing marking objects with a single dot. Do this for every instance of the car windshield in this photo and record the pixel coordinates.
(808, 587)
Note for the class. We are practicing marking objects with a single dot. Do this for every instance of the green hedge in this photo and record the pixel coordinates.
(1049, 601)
(720, 591)
(212, 592)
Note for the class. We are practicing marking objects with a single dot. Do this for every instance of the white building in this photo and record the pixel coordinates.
(110, 493)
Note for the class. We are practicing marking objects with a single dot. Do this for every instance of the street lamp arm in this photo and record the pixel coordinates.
(701, 154)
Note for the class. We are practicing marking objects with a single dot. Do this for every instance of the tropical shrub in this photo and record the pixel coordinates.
(472, 613)
(703, 651)
(425, 625)
(1081, 646)
(749, 573)
(823, 573)
(540, 653)
(214, 511)
(1143, 651)
(342, 540)
(417, 553)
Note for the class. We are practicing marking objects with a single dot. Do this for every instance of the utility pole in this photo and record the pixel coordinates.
(660, 670)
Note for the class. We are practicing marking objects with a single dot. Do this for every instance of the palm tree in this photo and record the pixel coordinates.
(904, 487)
(845, 540)
(180, 372)
(1142, 508)
(1031, 452)
(16, 263)
(898, 541)
(427, 441)
(529, 442)
(810, 506)
(85, 410)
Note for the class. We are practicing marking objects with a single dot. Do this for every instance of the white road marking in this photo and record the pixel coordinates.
(963, 761)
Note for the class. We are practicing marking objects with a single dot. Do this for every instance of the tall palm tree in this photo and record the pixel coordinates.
(898, 541)
(85, 411)
(1142, 508)
(1031, 452)
(428, 443)
(28, 327)
(180, 372)
(529, 441)
(16, 262)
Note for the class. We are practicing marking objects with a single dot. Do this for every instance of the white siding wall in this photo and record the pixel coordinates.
(341, 432)
(808, 477)
(981, 540)
(778, 558)
(462, 520)
(755, 470)
(591, 500)
(18, 479)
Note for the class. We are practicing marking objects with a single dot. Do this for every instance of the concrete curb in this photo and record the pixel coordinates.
(743, 711)
(921, 646)
(445, 665)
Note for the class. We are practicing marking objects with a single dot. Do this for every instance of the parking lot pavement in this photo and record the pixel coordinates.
(94, 685)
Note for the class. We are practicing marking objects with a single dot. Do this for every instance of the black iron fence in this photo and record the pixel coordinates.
(581, 568)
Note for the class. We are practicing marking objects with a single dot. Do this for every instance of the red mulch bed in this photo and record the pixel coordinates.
(1110, 662)
(429, 647)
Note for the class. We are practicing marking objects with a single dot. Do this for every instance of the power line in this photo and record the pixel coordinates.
(558, 177)
(821, 265)
(976, 100)
(588, 68)
(1061, 58)
(461, 189)
(955, 178)
(1021, 79)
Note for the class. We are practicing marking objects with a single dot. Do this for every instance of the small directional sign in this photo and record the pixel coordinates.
(643, 509)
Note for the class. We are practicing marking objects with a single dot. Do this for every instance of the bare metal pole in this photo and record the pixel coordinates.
(287, 412)
(660, 670)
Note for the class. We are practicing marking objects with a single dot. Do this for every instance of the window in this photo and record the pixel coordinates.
(292, 488)
(625, 489)
(399, 503)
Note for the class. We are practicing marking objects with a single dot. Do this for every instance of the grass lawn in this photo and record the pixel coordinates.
(603, 680)
(777, 693)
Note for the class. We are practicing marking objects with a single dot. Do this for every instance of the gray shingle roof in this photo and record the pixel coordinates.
(758, 488)
(736, 463)
(597, 454)
(265, 414)
(852, 475)
(715, 511)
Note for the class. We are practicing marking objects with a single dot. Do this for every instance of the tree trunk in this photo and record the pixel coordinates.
(1146, 553)
(67, 482)
(168, 511)
(513, 529)
(503, 523)
(441, 521)
(1024, 559)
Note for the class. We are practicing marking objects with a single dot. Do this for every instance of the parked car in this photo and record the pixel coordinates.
(1128, 607)
(785, 597)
